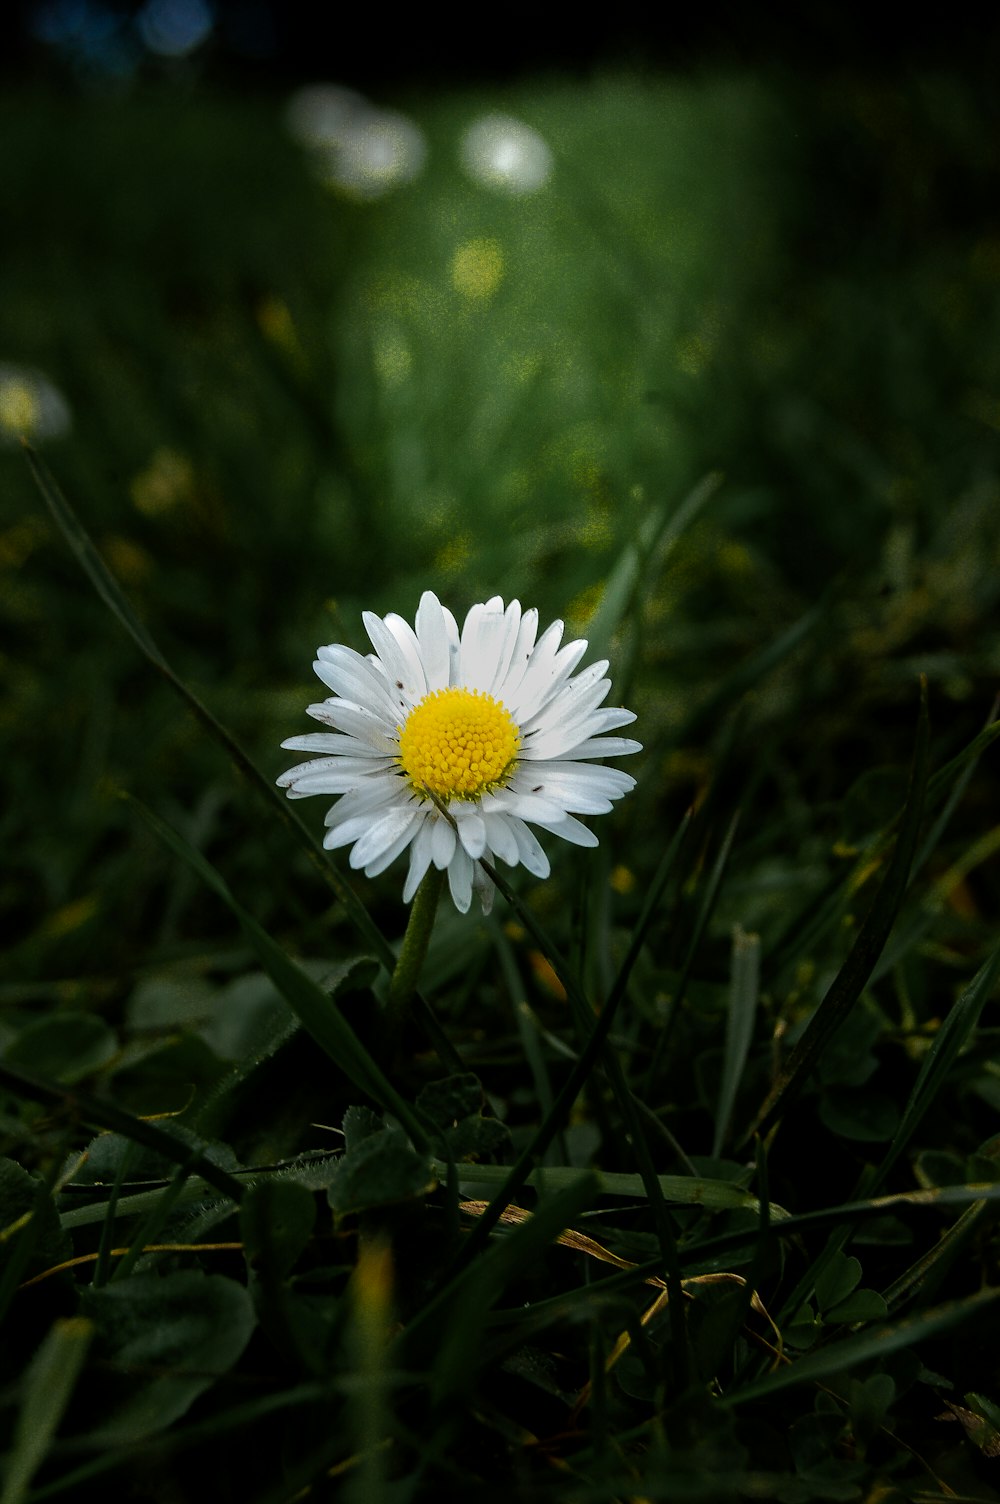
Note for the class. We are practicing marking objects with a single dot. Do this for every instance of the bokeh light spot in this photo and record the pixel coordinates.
(503, 153)
(477, 269)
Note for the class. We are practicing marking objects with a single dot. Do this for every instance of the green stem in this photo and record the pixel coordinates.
(411, 956)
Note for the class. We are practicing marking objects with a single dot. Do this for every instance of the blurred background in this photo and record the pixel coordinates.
(303, 329)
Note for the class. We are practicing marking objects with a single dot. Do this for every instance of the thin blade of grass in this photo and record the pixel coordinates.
(789, 1225)
(944, 1051)
(114, 597)
(849, 982)
(316, 1010)
(864, 1347)
(682, 1190)
(102, 1113)
(744, 988)
(705, 911)
(482, 1284)
(47, 1390)
(656, 536)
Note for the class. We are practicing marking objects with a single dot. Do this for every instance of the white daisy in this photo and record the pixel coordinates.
(489, 721)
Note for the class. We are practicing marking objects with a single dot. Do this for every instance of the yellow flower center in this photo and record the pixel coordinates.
(459, 743)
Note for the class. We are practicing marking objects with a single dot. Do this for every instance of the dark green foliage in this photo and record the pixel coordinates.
(682, 1178)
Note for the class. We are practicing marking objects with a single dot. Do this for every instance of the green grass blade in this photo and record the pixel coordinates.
(104, 1114)
(469, 1300)
(681, 1190)
(111, 593)
(317, 1012)
(705, 911)
(744, 987)
(849, 982)
(657, 534)
(864, 1347)
(944, 1051)
(48, 1387)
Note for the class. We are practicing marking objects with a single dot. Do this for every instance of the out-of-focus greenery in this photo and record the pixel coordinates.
(289, 406)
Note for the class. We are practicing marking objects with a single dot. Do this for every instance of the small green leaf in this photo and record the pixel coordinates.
(23, 1196)
(64, 1047)
(380, 1170)
(447, 1102)
(836, 1282)
(455, 1106)
(276, 1219)
(165, 1338)
(870, 1399)
(863, 1305)
(360, 1123)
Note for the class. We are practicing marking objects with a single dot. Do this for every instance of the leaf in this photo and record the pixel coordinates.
(863, 1305)
(277, 1218)
(64, 1047)
(360, 1123)
(455, 1105)
(167, 1338)
(446, 1102)
(841, 1275)
(380, 1170)
(24, 1196)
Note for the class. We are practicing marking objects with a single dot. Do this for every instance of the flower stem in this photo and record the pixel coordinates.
(412, 953)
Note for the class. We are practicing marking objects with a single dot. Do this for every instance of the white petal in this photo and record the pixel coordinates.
(331, 743)
(434, 641)
(472, 834)
(401, 662)
(536, 670)
(364, 798)
(420, 859)
(529, 852)
(482, 644)
(602, 746)
(584, 789)
(442, 843)
(382, 834)
(460, 879)
(348, 770)
(528, 805)
(353, 678)
(541, 686)
(500, 838)
(570, 830)
(372, 730)
(519, 658)
(511, 628)
(484, 887)
(394, 849)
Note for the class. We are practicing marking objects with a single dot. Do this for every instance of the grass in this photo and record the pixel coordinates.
(685, 1184)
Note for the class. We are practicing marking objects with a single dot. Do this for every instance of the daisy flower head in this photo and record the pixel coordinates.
(451, 744)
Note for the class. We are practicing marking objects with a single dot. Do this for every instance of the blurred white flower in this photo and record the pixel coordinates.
(318, 114)
(30, 406)
(504, 153)
(356, 147)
